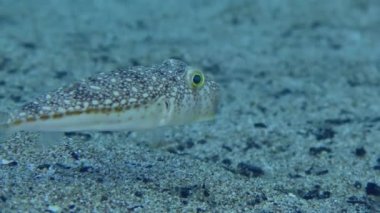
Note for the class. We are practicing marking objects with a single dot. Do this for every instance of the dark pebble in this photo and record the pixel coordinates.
(200, 210)
(294, 176)
(141, 25)
(28, 45)
(13, 163)
(322, 172)
(43, 166)
(60, 74)
(74, 155)
(360, 152)
(213, 158)
(250, 143)
(189, 143)
(180, 147)
(3, 198)
(86, 169)
(4, 62)
(324, 133)
(315, 193)
(145, 179)
(227, 161)
(15, 98)
(254, 202)
(227, 148)
(357, 185)
(101, 58)
(12, 71)
(257, 199)
(377, 167)
(139, 194)
(20, 87)
(235, 21)
(249, 170)
(260, 125)
(206, 193)
(283, 92)
(318, 150)
(172, 150)
(335, 46)
(338, 121)
(185, 192)
(202, 141)
(356, 200)
(262, 109)
(372, 189)
(134, 62)
(62, 166)
(374, 120)
(104, 198)
(132, 209)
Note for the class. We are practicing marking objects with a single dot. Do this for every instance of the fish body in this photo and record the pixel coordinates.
(169, 93)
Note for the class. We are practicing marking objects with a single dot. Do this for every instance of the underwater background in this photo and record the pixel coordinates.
(299, 122)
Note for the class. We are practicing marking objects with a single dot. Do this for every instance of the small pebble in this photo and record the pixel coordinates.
(260, 125)
(357, 185)
(8, 162)
(249, 170)
(360, 152)
(226, 161)
(54, 208)
(324, 133)
(315, 193)
(318, 150)
(186, 191)
(202, 141)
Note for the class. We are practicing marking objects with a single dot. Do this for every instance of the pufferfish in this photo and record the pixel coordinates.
(170, 93)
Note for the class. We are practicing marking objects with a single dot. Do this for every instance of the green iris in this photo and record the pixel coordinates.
(197, 79)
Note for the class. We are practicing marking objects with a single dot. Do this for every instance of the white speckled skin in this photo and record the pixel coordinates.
(134, 98)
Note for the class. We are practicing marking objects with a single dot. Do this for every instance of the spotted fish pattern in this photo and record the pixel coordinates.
(133, 98)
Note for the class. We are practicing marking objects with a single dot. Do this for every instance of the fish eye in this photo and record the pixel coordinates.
(197, 79)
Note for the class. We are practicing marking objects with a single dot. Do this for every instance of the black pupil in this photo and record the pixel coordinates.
(197, 79)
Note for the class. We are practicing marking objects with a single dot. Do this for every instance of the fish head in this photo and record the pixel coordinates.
(192, 96)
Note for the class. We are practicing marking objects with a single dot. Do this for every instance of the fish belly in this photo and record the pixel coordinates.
(133, 119)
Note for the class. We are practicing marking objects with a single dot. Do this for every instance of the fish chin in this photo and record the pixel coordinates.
(201, 111)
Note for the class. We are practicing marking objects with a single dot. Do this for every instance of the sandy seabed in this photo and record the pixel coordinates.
(299, 124)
